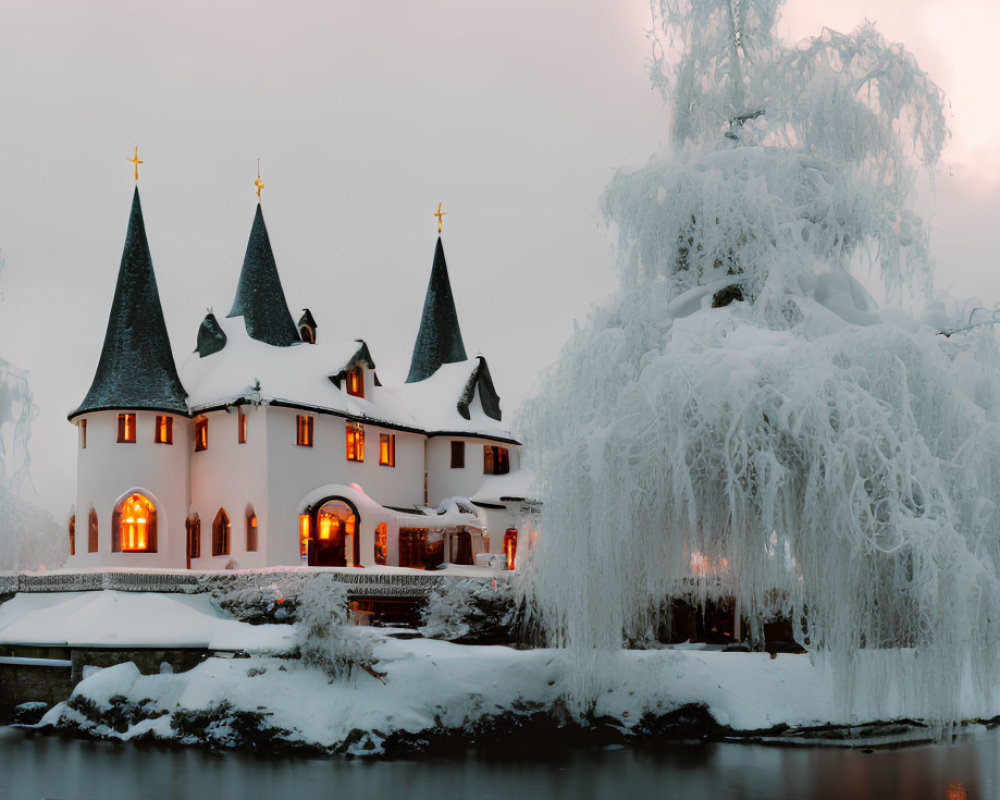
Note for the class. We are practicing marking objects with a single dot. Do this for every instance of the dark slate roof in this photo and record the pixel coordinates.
(136, 370)
(439, 340)
(211, 337)
(260, 299)
(481, 379)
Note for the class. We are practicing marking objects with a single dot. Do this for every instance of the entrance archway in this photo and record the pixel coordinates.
(333, 533)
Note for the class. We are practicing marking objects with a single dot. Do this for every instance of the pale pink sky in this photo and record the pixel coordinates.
(514, 113)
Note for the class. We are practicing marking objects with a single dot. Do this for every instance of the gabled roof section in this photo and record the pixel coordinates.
(136, 369)
(361, 356)
(211, 337)
(260, 300)
(481, 379)
(439, 340)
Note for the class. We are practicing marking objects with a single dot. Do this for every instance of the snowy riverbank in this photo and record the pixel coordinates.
(426, 690)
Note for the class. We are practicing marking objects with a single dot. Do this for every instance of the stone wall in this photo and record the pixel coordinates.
(25, 683)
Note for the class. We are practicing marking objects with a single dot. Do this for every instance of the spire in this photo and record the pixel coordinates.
(439, 340)
(260, 299)
(136, 370)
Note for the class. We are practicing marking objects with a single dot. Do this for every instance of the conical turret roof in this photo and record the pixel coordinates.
(439, 340)
(260, 300)
(136, 370)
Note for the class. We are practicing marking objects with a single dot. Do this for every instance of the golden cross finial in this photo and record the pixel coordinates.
(136, 161)
(439, 214)
(258, 183)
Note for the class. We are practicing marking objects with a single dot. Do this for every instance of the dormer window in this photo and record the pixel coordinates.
(308, 334)
(164, 430)
(126, 427)
(201, 435)
(355, 380)
(307, 327)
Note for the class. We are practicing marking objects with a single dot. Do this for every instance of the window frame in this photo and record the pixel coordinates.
(126, 427)
(201, 435)
(116, 525)
(93, 540)
(221, 543)
(354, 440)
(164, 428)
(387, 449)
(496, 460)
(253, 530)
(241, 425)
(304, 430)
(82, 425)
(457, 454)
(354, 381)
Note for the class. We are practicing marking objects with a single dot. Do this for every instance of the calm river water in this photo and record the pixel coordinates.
(51, 767)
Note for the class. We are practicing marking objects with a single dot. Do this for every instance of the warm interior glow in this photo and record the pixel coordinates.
(126, 427)
(201, 435)
(387, 449)
(510, 546)
(164, 430)
(700, 564)
(303, 535)
(356, 382)
(355, 441)
(242, 423)
(136, 521)
(304, 430)
(381, 542)
(325, 523)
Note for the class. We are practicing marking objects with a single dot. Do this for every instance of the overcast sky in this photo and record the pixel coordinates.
(513, 113)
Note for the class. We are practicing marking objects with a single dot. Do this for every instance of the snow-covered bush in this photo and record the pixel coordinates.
(325, 634)
(471, 610)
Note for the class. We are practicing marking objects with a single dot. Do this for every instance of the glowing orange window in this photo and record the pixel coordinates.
(164, 430)
(510, 546)
(356, 381)
(355, 441)
(381, 542)
(126, 427)
(201, 435)
(241, 421)
(304, 430)
(387, 449)
(134, 525)
(303, 535)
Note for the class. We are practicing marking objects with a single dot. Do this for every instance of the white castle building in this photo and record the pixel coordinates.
(273, 446)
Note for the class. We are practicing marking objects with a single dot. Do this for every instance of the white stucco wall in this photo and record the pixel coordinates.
(107, 470)
(231, 475)
(443, 481)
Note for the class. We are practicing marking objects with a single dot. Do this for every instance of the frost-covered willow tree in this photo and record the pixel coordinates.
(738, 419)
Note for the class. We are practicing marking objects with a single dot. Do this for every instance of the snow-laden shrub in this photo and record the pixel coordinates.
(471, 610)
(325, 634)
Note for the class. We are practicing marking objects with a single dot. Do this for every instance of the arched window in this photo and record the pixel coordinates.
(193, 525)
(92, 531)
(133, 525)
(510, 546)
(251, 529)
(220, 534)
(72, 534)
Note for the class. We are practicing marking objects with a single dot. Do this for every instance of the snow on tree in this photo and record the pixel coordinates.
(738, 418)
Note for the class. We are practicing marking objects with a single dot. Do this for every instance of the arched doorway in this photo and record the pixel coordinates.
(133, 525)
(333, 534)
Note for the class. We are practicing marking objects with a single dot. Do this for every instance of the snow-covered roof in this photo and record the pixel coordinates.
(306, 375)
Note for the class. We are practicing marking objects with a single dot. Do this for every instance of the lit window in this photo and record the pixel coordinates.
(496, 460)
(304, 430)
(303, 535)
(458, 455)
(220, 534)
(201, 435)
(193, 525)
(164, 430)
(133, 526)
(92, 531)
(241, 423)
(356, 381)
(387, 449)
(251, 530)
(510, 546)
(355, 441)
(126, 427)
(83, 434)
(381, 542)
(72, 534)
(307, 334)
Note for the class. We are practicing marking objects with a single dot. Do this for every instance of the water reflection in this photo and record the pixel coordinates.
(51, 767)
